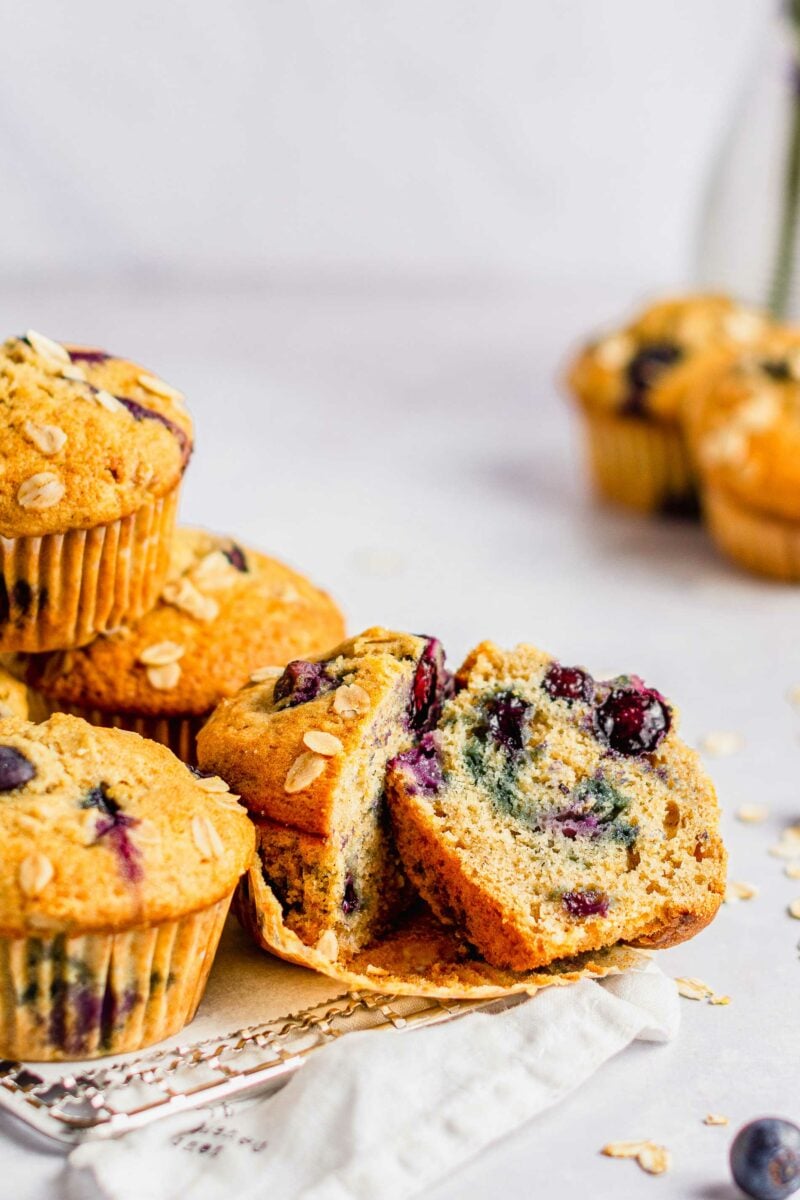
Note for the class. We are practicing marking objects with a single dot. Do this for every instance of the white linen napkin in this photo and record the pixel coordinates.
(381, 1117)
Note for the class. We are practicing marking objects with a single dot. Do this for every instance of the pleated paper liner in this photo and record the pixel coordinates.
(757, 541)
(642, 464)
(420, 957)
(177, 733)
(80, 997)
(61, 589)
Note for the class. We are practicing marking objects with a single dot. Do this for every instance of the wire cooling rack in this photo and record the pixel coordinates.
(107, 1101)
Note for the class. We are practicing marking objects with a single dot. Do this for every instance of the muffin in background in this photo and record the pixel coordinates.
(13, 695)
(117, 867)
(93, 449)
(632, 387)
(743, 428)
(224, 612)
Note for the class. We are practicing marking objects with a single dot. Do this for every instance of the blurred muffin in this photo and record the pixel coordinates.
(13, 695)
(632, 387)
(118, 867)
(743, 428)
(93, 450)
(224, 612)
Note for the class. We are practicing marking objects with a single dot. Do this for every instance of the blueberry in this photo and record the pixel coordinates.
(140, 413)
(15, 769)
(632, 719)
(302, 681)
(114, 824)
(765, 1158)
(644, 369)
(350, 900)
(587, 903)
(506, 715)
(777, 369)
(423, 763)
(568, 683)
(431, 685)
(87, 355)
(235, 556)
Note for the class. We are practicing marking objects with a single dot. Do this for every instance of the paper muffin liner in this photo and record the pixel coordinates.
(418, 957)
(177, 733)
(65, 997)
(761, 543)
(640, 463)
(61, 589)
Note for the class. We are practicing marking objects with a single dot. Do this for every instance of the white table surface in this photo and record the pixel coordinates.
(405, 445)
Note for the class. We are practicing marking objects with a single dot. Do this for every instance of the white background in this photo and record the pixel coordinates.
(363, 238)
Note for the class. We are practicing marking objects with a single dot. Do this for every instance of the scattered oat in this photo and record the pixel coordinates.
(35, 872)
(351, 700)
(206, 838)
(46, 347)
(615, 351)
(794, 909)
(793, 695)
(715, 1119)
(651, 1157)
(215, 571)
(328, 945)
(164, 678)
(721, 742)
(212, 783)
(789, 844)
(157, 387)
(725, 445)
(743, 326)
(752, 814)
(161, 653)
(76, 374)
(760, 411)
(286, 593)
(265, 673)
(182, 594)
(326, 744)
(739, 891)
(695, 989)
(47, 438)
(792, 870)
(42, 490)
(303, 771)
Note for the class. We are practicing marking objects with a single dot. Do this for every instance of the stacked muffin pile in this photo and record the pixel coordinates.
(696, 402)
(516, 825)
(118, 861)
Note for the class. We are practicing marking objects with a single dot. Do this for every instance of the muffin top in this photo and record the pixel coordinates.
(225, 611)
(743, 426)
(101, 829)
(86, 438)
(647, 368)
(13, 696)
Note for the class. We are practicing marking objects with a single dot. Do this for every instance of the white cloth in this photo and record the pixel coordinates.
(382, 1117)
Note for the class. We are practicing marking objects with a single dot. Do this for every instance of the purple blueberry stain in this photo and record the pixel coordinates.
(140, 412)
(350, 900)
(15, 769)
(423, 763)
(644, 369)
(114, 825)
(596, 810)
(632, 719)
(583, 903)
(431, 686)
(88, 354)
(302, 682)
(568, 683)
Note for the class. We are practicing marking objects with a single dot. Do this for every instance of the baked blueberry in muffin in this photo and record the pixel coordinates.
(549, 813)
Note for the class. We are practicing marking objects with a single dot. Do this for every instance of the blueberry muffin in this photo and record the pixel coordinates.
(13, 695)
(744, 435)
(93, 450)
(307, 752)
(548, 814)
(118, 866)
(632, 386)
(224, 611)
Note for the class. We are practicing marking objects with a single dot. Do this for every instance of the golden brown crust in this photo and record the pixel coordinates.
(694, 324)
(253, 744)
(110, 832)
(222, 623)
(74, 456)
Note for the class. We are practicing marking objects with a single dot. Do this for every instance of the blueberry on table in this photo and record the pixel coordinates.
(15, 769)
(765, 1159)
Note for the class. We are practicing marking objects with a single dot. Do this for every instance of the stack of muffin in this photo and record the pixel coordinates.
(120, 860)
(695, 404)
